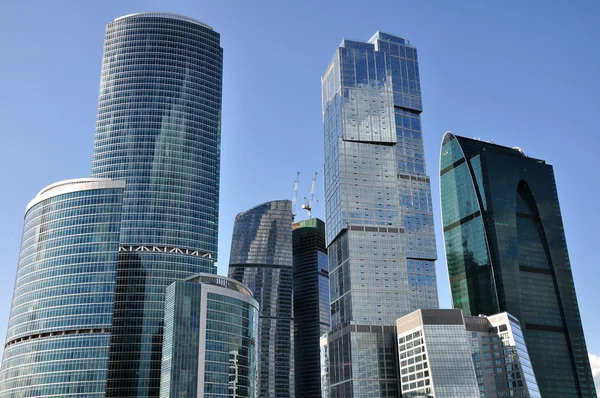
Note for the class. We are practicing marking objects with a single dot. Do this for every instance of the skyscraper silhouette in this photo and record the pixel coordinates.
(506, 251)
(378, 209)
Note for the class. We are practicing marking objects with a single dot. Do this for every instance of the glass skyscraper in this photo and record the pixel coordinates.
(379, 221)
(60, 322)
(210, 345)
(506, 251)
(158, 128)
(311, 303)
(261, 258)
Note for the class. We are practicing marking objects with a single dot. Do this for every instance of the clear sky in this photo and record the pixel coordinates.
(520, 73)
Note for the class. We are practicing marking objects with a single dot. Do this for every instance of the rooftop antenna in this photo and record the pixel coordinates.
(295, 195)
(308, 203)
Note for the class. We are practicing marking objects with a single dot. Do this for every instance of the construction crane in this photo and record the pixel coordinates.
(295, 194)
(308, 203)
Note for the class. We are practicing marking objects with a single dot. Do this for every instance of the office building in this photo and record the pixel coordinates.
(378, 208)
(210, 344)
(261, 258)
(506, 252)
(500, 356)
(443, 354)
(59, 328)
(435, 355)
(311, 303)
(158, 128)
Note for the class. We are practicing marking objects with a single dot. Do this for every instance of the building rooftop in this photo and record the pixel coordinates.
(168, 15)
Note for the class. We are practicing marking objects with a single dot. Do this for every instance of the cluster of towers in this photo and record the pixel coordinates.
(116, 293)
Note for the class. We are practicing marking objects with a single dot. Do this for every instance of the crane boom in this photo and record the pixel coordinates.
(295, 194)
(308, 203)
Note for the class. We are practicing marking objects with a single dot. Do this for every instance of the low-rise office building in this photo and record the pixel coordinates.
(445, 354)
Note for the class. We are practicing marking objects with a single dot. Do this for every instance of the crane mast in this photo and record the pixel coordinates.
(308, 203)
(295, 194)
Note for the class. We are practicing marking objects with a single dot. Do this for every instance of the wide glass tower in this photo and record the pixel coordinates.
(379, 221)
(261, 258)
(158, 128)
(60, 322)
(506, 251)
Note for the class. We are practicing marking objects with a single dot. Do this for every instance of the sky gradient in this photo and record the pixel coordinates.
(520, 73)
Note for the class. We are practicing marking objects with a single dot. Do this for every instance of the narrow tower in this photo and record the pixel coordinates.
(261, 258)
(311, 303)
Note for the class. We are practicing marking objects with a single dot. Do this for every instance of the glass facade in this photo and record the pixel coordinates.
(210, 339)
(158, 128)
(445, 354)
(379, 219)
(311, 303)
(501, 357)
(60, 321)
(261, 258)
(435, 355)
(506, 251)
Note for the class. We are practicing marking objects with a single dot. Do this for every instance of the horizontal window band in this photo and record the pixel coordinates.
(55, 334)
(462, 221)
(376, 229)
(421, 259)
(525, 215)
(452, 166)
(544, 328)
(536, 270)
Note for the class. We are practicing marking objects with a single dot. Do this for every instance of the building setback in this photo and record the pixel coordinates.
(379, 220)
(261, 258)
(311, 303)
(506, 251)
(445, 354)
(59, 328)
(210, 344)
(158, 128)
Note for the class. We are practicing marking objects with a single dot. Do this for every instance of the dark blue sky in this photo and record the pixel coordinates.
(520, 73)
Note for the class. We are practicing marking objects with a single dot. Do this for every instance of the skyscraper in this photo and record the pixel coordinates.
(210, 346)
(60, 321)
(158, 128)
(379, 221)
(311, 304)
(506, 251)
(261, 258)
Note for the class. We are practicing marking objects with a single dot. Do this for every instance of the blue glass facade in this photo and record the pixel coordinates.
(379, 220)
(158, 128)
(210, 339)
(60, 321)
(261, 258)
(506, 251)
(311, 304)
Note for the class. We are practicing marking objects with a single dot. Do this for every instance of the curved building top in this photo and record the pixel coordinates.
(168, 15)
(74, 185)
(263, 235)
(222, 281)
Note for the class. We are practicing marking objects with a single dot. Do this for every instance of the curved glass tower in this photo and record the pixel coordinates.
(261, 258)
(60, 321)
(506, 251)
(158, 128)
(211, 339)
